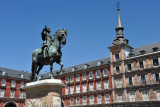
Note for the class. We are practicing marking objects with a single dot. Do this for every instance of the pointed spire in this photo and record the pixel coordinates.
(119, 28)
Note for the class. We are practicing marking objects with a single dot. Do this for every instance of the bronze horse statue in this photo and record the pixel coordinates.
(54, 55)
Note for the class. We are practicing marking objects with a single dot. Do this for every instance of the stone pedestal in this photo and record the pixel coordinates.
(44, 93)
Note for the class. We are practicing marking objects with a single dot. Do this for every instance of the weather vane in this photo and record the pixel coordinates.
(118, 7)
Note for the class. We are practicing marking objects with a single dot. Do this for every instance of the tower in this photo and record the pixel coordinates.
(119, 51)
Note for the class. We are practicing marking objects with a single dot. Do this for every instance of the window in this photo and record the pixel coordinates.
(66, 90)
(71, 78)
(98, 74)
(91, 99)
(98, 85)
(85, 66)
(67, 79)
(143, 79)
(129, 67)
(83, 76)
(130, 81)
(131, 96)
(20, 75)
(99, 99)
(117, 70)
(21, 94)
(105, 72)
(119, 97)
(90, 75)
(158, 93)
(118, 83)
(141, 65)
(142, 52)
(22, 85)
(117, 56)
(99, 63)
(84, 87)
(106, 85)
(145, 96)
(78, 77)
(107, 98)
(12, 94)
(84, 100)
(157, 77)
(73, 69)
(2, 92)
(155, 62)
(78, 100)
(71, 101)
(131, 54)
(3, 82)
(13, 83)
(71, 89)
(2, 73)
(155, 49)
(91, 87)
(77, 88)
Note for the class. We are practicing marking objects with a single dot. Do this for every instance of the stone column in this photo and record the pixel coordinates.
(44, 93)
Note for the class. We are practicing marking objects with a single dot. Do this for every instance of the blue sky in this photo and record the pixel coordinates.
(90, 23)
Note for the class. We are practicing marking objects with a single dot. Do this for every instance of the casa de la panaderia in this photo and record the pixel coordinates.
(129, 77)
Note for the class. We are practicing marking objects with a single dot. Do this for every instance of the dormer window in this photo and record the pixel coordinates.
(20, 75)
(131, 54)
(155, 62)
(142, 52)
(155, 49)
(85, 66)
(73, 69)
(2, 73)
(99, 63)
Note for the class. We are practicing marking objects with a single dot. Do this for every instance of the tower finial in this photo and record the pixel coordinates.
(118, 7)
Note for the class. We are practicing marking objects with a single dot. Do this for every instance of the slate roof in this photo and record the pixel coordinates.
(147, 48)
(15, 73)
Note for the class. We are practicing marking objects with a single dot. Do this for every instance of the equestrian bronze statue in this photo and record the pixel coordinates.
(49, 52)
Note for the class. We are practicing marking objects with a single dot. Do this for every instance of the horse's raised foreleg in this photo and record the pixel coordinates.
(60, 63)
(51, 68)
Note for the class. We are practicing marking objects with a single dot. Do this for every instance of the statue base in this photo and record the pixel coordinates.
(44, 93)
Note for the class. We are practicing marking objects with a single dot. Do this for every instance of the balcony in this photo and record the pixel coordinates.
(142, 67)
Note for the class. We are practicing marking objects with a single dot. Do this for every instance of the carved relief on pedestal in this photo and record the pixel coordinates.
(36, 102)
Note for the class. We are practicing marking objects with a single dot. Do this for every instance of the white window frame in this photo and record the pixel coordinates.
(84, 87)
(91, 86)
(119, 96)
(71, 77)
(66, 90)
(107, 99)
(91, 100)
(119, 83)
(132, 97)
(98, 72)
(71, 89)
(84, 76)
(3, 82)
(77, 102)
(21, 75)
(78, 88)
(106, 84)
(84, 100)
(98, 85)
(91, 73)
(72, 101)
(99, 98)
(13, 83)
(77, 77)
(106, 69)
(66, 79)
(2, 91)
(12, 93)
(145, 97)
(22, 85)
(21, 94)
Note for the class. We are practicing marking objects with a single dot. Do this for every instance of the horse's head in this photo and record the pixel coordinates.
(62, 34)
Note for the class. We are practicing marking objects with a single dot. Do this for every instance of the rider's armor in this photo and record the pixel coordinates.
(46, 37)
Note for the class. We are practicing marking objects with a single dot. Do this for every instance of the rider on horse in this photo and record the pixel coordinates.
(47, 40)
